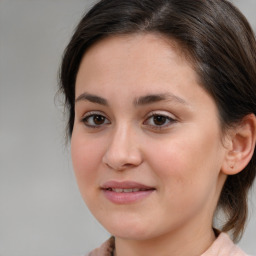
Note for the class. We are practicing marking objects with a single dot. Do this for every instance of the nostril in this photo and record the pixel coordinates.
(119, 167)
(124, 156)
(128, 165)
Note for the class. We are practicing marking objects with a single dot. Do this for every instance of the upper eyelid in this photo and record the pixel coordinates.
(161, 113)
(94, 112)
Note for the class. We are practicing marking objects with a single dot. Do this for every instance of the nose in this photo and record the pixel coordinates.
(123, 151)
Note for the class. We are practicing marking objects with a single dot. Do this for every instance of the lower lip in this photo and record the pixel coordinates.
(126, 198)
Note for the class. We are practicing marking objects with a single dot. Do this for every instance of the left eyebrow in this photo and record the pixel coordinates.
(153, 98)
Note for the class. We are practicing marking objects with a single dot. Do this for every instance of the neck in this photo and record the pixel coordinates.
(178, 244)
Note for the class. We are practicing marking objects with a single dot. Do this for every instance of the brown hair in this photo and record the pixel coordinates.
(222, 46)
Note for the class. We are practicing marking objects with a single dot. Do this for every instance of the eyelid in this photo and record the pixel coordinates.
(94, 112)
(161, 113)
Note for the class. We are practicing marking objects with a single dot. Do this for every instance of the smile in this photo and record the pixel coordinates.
(125, 192)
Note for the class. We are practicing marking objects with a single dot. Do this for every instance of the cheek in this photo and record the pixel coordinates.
(85, 158)
(187, 161)
(186, 174)
(171, 158)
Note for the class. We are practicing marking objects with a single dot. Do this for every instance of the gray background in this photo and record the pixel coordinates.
(41, 211)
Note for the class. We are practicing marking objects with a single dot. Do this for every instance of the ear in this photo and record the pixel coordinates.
(240, 146)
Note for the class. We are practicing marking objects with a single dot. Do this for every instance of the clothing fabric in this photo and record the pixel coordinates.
(106, 249)
(222, 246)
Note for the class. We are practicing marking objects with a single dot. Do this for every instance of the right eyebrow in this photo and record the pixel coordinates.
(92, 98)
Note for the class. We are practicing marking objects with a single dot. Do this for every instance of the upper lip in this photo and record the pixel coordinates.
(125, 185)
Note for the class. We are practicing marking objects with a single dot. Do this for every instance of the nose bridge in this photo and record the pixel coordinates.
(123, 149)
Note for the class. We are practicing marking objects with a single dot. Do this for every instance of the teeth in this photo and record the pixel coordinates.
(125, 190)
(118, 190)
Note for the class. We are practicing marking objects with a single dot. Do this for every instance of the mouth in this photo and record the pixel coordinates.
(126, 192)
(125, 186)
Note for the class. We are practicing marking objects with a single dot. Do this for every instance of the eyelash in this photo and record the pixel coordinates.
(167, 118)
(151, 116)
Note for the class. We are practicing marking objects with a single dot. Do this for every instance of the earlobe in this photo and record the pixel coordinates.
(241, 146)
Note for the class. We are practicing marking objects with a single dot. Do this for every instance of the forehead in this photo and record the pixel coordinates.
(128, 42)
(139, 57)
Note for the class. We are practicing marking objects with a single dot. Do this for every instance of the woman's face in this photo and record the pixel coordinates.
(146, 145)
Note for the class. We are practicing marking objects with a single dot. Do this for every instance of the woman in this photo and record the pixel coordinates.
(162, 102)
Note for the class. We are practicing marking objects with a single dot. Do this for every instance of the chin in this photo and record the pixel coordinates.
(131, 234)
(131, 230)
(125, 222)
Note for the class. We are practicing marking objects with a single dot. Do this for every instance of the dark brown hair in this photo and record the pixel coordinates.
(219, 41)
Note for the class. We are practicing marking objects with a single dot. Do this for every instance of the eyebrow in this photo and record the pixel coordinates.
(152, 98)
(92, 98)
(141, 101)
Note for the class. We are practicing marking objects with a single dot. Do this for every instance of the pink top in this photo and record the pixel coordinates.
(222, 246)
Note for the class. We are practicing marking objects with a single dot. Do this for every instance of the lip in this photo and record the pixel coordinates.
(132, 191)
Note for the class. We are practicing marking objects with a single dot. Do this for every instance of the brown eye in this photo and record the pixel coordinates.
(95, 120)
(159, 120)
(98, 119)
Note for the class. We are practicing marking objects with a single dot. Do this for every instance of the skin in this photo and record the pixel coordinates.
(182, 158)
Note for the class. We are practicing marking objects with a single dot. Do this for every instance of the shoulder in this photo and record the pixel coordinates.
(106, 249)
(223, 245)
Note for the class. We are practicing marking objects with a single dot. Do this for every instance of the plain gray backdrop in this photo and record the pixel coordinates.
(41, 211)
